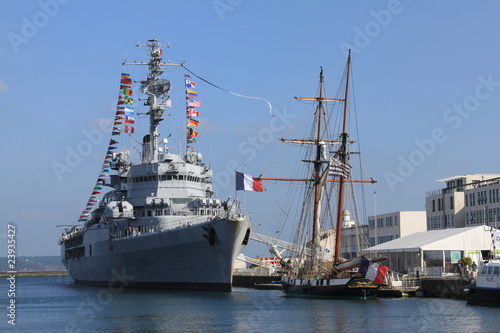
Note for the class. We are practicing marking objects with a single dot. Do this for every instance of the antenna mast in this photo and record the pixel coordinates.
(157, 90)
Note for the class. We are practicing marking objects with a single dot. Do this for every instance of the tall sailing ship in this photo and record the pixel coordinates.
(160, 225)
(317, 269)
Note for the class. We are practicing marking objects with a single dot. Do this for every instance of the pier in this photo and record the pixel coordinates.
(438, 287)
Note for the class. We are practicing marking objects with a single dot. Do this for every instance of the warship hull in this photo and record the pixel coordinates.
(197, 257)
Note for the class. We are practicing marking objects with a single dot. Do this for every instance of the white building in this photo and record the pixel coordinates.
(467, 200)
(386, 227)
(354, 236)
(437, 252)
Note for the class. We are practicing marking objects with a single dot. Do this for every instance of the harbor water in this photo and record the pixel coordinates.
(55, 304)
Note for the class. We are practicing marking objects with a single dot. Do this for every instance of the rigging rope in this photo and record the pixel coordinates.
(232, 93)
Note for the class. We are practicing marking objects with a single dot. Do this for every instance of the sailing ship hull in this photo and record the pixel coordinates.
(189, 258)
(348, 288)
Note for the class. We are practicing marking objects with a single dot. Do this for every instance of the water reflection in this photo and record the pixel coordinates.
(59, 306)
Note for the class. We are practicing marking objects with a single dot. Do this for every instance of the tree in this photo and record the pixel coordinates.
(467, 261)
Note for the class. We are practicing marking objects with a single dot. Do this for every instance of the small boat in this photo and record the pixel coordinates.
(317, 268)
(485, 289)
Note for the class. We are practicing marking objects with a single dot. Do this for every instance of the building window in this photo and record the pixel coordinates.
(466, 200)
(451, 203)
(396, 220)
(433, 205)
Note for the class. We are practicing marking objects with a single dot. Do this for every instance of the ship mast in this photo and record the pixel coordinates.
(157, 90)
(319, 175)
(342, 157)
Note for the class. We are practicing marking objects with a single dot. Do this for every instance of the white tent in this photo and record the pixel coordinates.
(438, 248)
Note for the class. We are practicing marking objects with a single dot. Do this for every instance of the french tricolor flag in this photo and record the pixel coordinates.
(246, 182)
(374, 272)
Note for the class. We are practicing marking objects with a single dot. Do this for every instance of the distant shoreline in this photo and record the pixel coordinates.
(41, 273)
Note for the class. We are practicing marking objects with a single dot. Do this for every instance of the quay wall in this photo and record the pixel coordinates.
(249, 281)
(444, 287)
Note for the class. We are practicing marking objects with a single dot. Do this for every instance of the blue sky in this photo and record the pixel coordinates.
(426, 83)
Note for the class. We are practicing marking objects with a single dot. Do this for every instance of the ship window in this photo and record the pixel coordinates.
(496, 270)
(181, 177)
(165, 212)
(490, 270)
(202, 212)
(158, 212)
(163, 177)
(484, 270)
(174, 177)
(208, 212)
(169, 177)
(150, 213)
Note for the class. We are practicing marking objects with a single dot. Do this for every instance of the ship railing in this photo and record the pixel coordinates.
(184, 222)
(437, 271)
(400, 280)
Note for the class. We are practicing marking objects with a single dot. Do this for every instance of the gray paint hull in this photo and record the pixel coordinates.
(181, 258)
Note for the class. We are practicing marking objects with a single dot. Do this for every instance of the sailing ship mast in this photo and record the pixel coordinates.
(319, 276)
(319, 178)
(343, 157)
(319, 174)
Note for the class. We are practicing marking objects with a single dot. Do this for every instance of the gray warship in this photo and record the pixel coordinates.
(160, 225)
